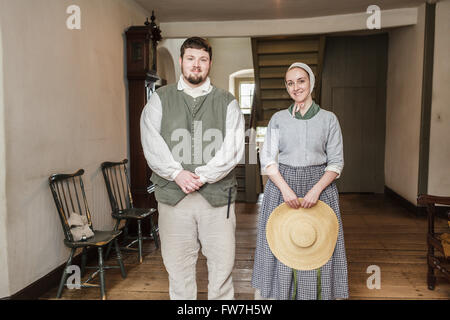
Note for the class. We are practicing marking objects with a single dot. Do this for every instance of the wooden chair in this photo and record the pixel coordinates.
(118, 187)
(69, 195)
(435, 262)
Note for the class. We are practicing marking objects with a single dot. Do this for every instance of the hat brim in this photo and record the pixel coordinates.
(278, 230)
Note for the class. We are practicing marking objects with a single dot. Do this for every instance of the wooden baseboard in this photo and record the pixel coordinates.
(52, 279)
(403, 202)
(441, 211)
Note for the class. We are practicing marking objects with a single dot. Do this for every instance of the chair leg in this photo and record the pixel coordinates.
(83, 261)
(116, 227)
(154, 233)
(140, 240)
(64, 275)
(431, 278)
(108, 250)
(119, 258)
(101, 273)
(125, 230)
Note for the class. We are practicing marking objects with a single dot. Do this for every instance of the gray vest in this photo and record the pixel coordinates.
(183, 118)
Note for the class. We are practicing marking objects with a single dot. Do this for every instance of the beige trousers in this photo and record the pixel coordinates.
(182, 229)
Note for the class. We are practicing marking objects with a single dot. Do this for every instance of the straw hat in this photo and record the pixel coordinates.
(302, 239)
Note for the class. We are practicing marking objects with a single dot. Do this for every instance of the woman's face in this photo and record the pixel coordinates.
(297, 84)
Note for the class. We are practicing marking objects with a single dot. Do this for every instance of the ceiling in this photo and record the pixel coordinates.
(225, 10)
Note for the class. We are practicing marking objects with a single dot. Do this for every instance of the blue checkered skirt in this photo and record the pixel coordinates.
(272, 277)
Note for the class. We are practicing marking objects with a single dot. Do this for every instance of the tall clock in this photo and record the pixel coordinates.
(141, 73)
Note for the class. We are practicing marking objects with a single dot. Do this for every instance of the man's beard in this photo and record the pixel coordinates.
(192, 79)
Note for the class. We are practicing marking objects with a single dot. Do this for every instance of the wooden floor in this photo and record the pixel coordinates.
(376, 230)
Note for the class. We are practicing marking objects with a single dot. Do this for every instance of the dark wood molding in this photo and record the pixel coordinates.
(256, 108)
(441, 211)
(322, 46)
(52, 279)
(142, 78)
(427, 88)
(403, 202)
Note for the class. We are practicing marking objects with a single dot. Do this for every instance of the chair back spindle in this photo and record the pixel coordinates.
(70, 197)
(118, 185)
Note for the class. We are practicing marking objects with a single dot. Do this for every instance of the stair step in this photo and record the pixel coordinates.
(272, 83)
(289, 46)
(262, 123)
(272, 57)
(274, 94)
(267, 114)
(272, 72)
(285, 60)
(278, 72)
(276, 104)
(240, 170)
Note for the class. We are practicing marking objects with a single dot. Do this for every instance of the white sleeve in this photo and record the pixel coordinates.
(156, 152)
(269, 150)
(231, 151)
(335, 148)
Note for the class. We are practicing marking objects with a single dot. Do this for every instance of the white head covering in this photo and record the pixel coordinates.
(305, 67)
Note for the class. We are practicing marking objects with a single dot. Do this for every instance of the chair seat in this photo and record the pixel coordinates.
(133, 213)
(99, 239)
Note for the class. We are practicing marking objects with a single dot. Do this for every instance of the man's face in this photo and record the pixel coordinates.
(195, 66)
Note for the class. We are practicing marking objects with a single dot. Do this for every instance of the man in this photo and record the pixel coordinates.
(193, 136)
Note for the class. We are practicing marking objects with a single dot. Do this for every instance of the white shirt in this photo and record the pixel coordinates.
(160, 158)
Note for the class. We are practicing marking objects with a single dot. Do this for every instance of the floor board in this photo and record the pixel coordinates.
(376, 230)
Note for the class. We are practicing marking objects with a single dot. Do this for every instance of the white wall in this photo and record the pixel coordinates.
(65, 109)
(244, 73)
(4, 276)
(165, 48)
(403, 108)
(229, 55)
(439, 171)
(165, 65)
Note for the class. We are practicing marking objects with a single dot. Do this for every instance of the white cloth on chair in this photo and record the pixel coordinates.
(79, 227)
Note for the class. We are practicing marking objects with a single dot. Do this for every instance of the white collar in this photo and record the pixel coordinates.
(204, 88)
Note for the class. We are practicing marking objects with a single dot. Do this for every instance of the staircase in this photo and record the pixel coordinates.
(240, 171)
(271, 58)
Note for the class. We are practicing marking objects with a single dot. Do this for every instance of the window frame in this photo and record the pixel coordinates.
(237, 90)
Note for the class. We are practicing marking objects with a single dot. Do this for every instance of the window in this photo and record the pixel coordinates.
(244, 89)
(260, 135)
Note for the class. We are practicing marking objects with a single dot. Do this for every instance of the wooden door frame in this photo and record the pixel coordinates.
(427, 89)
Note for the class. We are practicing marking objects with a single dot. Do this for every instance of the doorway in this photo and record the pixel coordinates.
(354, 88)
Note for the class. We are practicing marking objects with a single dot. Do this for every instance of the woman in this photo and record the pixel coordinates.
(308, 142)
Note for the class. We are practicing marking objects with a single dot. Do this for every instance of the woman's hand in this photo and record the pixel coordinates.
(311, 198)
(290, 198)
